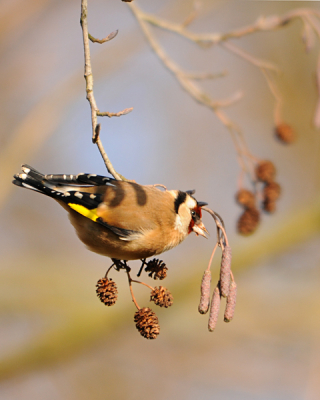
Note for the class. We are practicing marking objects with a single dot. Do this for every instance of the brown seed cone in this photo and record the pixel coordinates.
(161, 297)
(248, 221)
(157, 269)
(265, 171)
(246, 198)
(205, 293)
(225, 270)
(271, 191)
(107, 291)
(285, 133)
(214, 309)
(231, 302)
(269, 206)
(147, 323)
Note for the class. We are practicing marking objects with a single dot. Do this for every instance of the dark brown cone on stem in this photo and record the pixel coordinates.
(285, 133)
(214, 309)
(107, 291)
(205, 293)
(147, 323)
(271, 191)
(225, 270)
(161, 297)
(231, 302)
(245, 198)
(269, 206)
(157, 269)
(265, 171)
(248, 221)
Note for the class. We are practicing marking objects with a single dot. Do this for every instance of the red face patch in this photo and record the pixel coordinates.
(196, 214)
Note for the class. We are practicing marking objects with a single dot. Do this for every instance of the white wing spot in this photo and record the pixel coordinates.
(64, 177)
(67, 194)
(29, 187)
(92, 196)
(23, 176)
(79, 195)
(26, 170)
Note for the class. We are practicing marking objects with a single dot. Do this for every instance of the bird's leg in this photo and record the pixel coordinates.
(142, 265)
(120, 264)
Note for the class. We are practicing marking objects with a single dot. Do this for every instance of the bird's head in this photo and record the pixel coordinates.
(189, 212)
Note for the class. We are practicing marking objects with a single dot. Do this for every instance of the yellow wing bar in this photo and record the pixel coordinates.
(91, 214)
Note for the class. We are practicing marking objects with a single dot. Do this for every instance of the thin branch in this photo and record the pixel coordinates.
(118, 114)
(262, 24)
(204, 75)
(249, 57)
(95, 112)
(106, 39)
(199, 95)
(130, 280)
(186, 80)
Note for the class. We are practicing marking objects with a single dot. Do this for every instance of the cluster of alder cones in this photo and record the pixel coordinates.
(145, 319)
(265, 199)
(249, 220)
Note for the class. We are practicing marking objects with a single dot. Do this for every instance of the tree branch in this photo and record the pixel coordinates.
(95, 112)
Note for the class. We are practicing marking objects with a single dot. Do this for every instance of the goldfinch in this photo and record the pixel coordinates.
(119, 219)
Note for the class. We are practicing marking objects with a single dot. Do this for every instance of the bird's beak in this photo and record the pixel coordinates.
(200, 229)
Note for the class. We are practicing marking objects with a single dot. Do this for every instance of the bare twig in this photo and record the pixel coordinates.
(262, 24)
(248, 57)
(95, 112)
(310, 19)
(131, 290)
(316, 120)
(118, 114)
(186, 80)
(106, 39)
(193, 15)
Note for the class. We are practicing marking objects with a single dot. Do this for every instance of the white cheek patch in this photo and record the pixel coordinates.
(191, 203)
(178, 224)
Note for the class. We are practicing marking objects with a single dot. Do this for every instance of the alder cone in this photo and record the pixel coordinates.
(285, 133)
(147, 323)
(265, 171)
(246, 198)
(248, 221)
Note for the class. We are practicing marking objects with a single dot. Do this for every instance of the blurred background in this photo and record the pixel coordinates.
(57, 341)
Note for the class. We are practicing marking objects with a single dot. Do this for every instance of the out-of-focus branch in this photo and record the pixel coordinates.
(247, 161)
(209, 39)
(95, 112)
(186, 80)
(309, 18)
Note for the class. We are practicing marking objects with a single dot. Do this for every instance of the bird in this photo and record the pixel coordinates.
(122, 220)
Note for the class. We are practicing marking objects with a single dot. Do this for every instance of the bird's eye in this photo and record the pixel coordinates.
(193, 213)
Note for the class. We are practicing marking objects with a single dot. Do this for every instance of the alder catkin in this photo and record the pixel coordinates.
(225, 270)
(231, 302)
(205, 293)
(214, 309)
